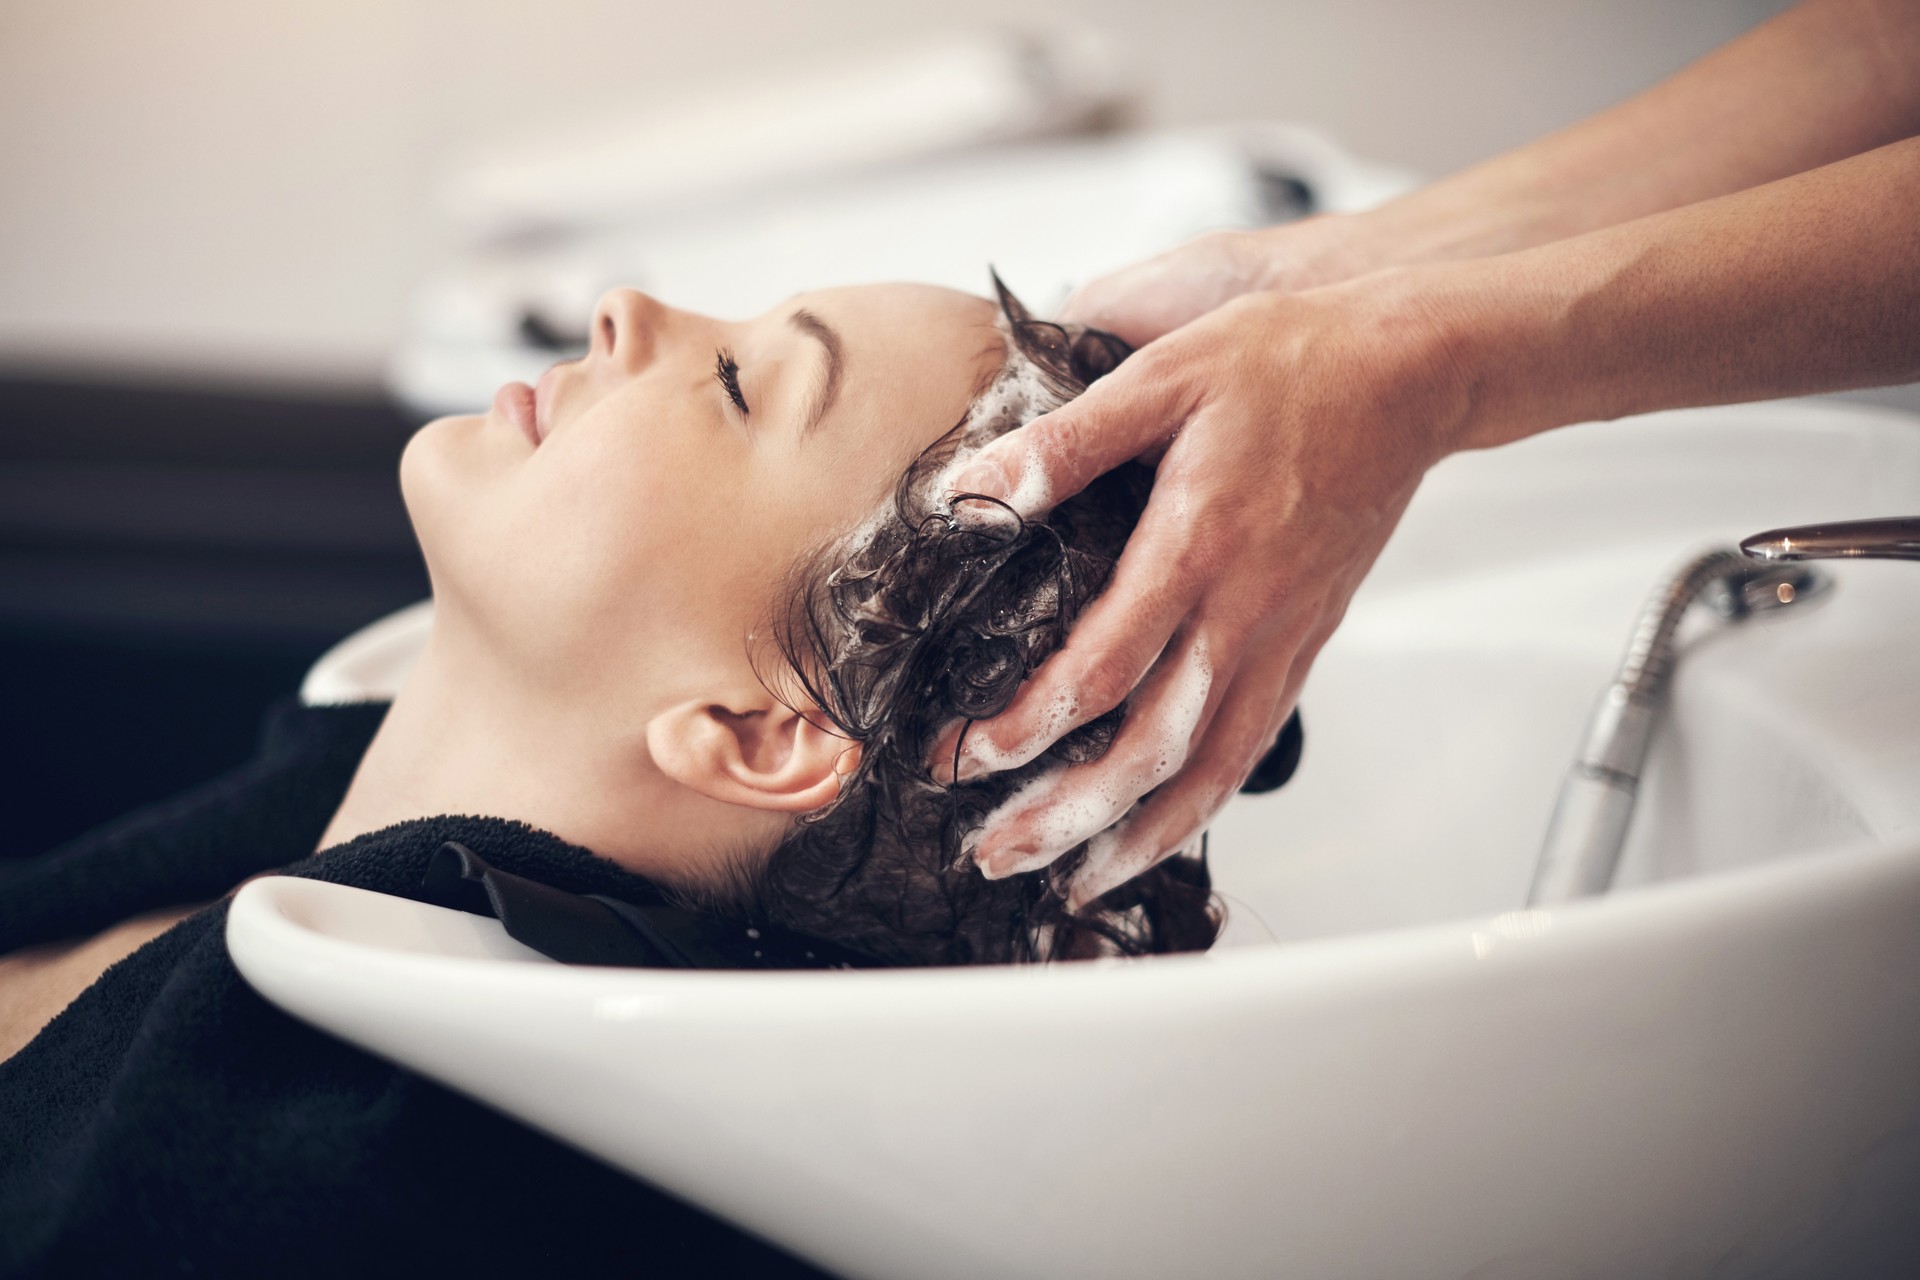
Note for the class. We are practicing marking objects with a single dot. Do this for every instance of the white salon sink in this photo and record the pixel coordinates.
(1713, 1071)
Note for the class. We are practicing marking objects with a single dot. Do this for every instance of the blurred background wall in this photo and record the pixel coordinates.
(238, 188)
(212, 213)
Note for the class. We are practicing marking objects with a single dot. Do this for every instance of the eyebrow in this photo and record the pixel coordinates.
(828, 386)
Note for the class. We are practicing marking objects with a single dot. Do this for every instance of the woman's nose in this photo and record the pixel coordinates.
(626, 324)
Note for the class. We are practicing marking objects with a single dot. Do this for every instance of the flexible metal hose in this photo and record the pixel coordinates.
(1595, 808)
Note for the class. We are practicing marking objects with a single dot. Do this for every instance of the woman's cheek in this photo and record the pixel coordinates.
(584, 542)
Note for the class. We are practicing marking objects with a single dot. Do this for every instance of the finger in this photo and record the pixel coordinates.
(1175, 816)
(1036, 467)
(1173, 820)
(1058, 810)
(1112, 645)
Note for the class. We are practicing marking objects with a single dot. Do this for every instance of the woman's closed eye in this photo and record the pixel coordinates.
(726, 371)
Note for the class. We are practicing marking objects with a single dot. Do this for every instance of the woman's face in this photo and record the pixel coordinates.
(626, 525)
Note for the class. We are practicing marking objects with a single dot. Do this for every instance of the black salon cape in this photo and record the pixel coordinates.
(172, 1122)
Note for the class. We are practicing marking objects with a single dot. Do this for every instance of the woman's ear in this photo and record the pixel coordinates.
(762, 756)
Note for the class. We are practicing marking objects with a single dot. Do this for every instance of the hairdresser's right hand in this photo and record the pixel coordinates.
(1289, 432)
(1153, 298)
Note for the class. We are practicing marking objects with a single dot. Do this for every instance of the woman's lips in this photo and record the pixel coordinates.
(515, 402)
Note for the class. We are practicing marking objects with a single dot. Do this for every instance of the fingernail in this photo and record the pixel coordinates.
(1016, 862)
(971, 767)
(948, 771)
(939, 760)
(1002, 863)
(979, 476)
(980, 757)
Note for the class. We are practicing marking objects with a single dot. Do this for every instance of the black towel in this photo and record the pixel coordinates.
(172, 1122)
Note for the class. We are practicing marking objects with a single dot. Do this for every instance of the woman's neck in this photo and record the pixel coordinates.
(421, 761)
(464, 737)
(461, 738)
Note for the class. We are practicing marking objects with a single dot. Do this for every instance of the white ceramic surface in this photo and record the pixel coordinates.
(1715, 1071)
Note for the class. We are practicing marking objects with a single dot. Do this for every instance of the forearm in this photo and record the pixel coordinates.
(1804, 285)
(1825, 80)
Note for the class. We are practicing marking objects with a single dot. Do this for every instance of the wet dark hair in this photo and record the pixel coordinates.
(935, 612)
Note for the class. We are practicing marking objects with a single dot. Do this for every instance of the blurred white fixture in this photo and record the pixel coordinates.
(767, 131)
(1048, 215)
(1712, 1071)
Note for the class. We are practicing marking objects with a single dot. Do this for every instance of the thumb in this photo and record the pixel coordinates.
(1133, 303)
(1150, 299)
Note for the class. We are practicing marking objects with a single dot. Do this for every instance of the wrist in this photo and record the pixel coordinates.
(1509, 343)
(1427, 226)
(1417, 332)
(1479, 214)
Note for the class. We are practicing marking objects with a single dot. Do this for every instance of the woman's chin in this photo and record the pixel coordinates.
(442, 494)
(441, 468)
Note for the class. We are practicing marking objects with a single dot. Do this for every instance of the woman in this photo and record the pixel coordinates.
(704, 600)
(628, 652)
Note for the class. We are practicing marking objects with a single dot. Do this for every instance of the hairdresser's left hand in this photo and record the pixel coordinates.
(1289, 432)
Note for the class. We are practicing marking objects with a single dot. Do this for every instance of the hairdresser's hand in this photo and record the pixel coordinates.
(1290, 431)
(1152, 298)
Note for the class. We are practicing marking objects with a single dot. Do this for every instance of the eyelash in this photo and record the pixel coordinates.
(726, 371)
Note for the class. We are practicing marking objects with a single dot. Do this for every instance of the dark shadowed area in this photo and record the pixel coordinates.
(171, 560)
